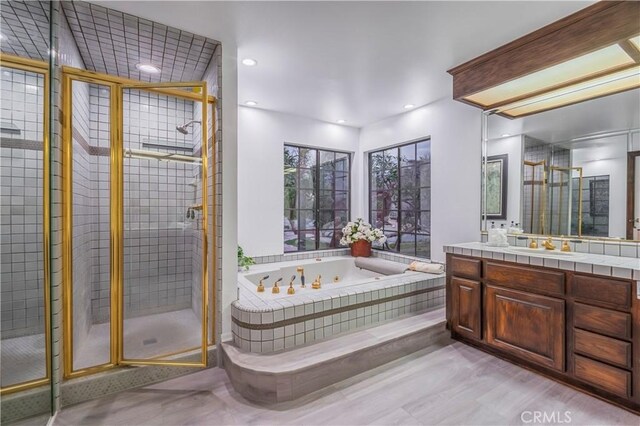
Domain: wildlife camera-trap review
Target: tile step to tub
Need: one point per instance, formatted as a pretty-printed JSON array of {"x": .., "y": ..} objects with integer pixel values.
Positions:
[{"x": 288, "y": 375}]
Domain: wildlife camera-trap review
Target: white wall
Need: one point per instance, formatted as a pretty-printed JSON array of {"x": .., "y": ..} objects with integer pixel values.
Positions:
[
  {"x": 454, "y": 129},
  {"x": 608, "y": 157},
  {"x": 512, "y": 146},
  {"x": 261, "y": 137}
]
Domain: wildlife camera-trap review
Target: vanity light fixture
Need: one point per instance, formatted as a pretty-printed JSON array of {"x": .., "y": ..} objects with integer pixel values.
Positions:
[
  {"x": 251, "y": 103},
  {"x": 341, "y": 121},
  {"x": 409, "y": 106},
  {"x": 148, "y": 68},
  {"x": 249, "y": 62},
  {"x": 593, "y": 53}
]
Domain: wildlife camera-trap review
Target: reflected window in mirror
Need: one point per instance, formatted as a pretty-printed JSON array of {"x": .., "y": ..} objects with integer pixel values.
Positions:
[{"x": 571, "y": 170}]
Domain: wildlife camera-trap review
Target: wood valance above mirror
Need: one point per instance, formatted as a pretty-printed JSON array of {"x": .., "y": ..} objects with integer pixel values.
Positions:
[{"x": 592, "y": 53}]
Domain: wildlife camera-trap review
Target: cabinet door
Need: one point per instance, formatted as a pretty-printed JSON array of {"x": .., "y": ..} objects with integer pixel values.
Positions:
[
  {"x": 467, "y": 300},
  {"x": 529, "y": 326}
]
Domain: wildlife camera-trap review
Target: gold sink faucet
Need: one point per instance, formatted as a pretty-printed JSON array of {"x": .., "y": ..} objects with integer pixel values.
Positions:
[
  {"x": 533, "y": 244},
  {"x": 548, "y": 244},
  {"x": 565, "y": 246}
]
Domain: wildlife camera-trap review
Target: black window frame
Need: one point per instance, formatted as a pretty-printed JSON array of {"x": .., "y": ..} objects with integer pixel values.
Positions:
[
  {"x": 415, "y": 212},
  {"x": 318, "y": 190}
]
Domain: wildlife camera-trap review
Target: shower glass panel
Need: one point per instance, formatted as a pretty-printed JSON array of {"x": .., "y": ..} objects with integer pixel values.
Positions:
[
  {"x": 559, "y": 188},
  {"x": 23, "y": 347},
  {"x": 534, "y": 190},
  {"x": 90, "y": 198},
  {"x": 163, "y": 226}
]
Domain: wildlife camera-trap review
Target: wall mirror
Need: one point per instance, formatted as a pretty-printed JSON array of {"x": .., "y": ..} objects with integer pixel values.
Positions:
[{"x": 571, "y": 171}]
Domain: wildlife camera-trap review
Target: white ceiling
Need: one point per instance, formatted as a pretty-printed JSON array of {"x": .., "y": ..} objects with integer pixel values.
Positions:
[{"x": 358, "y": 61}]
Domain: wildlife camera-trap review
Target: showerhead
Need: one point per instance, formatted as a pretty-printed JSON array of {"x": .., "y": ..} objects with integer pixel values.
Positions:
[{"x": 183, "y": 129}]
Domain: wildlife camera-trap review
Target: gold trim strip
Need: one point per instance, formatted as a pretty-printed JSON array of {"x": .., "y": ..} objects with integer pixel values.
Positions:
[
  {"x": 67, "y": 226},
  {"x": 214, "y": 212},
  {"x": 162, "y": 88},
  {"x": 18, "y": 387},
  {"x": 12, "y": 61},
  {"x": 205, "y": 223}
]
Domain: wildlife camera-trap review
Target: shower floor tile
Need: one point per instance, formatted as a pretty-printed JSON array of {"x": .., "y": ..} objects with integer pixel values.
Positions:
[
  {"x": 22, "y": 359},
  {"x": 144, "y": 337}
]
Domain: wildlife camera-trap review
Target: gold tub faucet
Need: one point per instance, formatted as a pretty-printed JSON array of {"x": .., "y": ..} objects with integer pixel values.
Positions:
[
  {"x": 533, "y": 244},
  {"x": 300, "y": 270},
  {"x": 565, "y": 246},
  {"x": 317, "y": 284},
  {"x": 261, "y": 285},
  {"x": 276, "y": 289},
  {"x": 548, "y": 244},
  {"x": 291, "y": 290}
]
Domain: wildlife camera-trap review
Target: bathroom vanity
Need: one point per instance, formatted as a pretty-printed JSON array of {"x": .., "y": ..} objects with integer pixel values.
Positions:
[{"x": 572, "y": 317}]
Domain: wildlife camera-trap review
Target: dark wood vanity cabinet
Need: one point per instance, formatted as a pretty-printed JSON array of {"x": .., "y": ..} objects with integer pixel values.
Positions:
[
  {"x": 467, "y": 307},
  {"x": 529, "y": 326},
  {"x": 577, "y": 328}
]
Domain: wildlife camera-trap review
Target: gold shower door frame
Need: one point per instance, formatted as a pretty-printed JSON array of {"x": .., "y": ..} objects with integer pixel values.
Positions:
[
  {"x": 579, "y": 170},
  {"x": 39, "y": 67},
  {"x": 543, "y": 196},
  {"x": 117, "y": 86}
]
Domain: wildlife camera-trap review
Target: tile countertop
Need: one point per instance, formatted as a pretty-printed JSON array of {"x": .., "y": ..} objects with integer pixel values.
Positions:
[{"x": 599, "y": 264}]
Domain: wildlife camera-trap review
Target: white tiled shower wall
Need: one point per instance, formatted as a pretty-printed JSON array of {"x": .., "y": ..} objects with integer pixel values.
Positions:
[
  {"x": 21, "y": 266},
  {"x": 158, "y": 236}
]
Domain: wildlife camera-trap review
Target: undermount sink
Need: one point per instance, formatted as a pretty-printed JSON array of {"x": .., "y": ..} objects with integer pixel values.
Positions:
[{"x": 542, "y": 251}]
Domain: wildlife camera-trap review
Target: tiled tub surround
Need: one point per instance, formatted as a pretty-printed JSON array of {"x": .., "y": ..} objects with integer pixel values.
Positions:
[
  {"x": 268, "y": 324},
  {"x": 599, "y": 264}
]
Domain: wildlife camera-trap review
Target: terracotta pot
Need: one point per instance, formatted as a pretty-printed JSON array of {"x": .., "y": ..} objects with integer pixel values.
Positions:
[{"x": 361, "y": 248}]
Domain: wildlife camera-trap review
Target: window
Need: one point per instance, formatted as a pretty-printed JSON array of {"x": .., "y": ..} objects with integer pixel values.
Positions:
[
  {"x": 316, "y": 197},
  {"x": 400, "y": 197}
]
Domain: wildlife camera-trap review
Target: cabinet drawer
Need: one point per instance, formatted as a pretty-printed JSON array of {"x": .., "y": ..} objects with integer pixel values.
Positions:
[
  {"x": 603, "y": 376},
  {"x": 602, "y": 291},
  {"x": 529, "y": 326},
  {"x": 603, "y": 321},
  {"x": 464, "y": 267},
  {"x": 602, "y": 348},
  {"x": 527, "y": 279}
]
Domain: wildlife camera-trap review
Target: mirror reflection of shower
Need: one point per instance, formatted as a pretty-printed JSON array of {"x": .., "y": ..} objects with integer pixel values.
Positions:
[{"x": 183, "y": 129}]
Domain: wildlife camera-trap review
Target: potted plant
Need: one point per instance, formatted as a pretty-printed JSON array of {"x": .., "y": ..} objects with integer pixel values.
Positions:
[
  {"x": 244, "y": 261},
  {"x": 359, "y": 235}
]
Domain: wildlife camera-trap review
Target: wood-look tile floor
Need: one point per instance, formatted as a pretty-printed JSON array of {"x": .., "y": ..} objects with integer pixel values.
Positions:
[{"x": 452, "y": 385}]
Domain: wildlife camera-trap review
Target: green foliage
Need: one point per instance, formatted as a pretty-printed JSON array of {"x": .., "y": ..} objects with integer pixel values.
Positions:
[{"x": 244, "y": 261}]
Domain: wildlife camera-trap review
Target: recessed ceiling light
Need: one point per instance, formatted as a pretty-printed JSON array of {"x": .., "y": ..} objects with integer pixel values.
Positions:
[
  {"x": 341, "y": 121},
  {"x": 505, "y": 135},
  {"x": 3, "y": 37},
  {"x": 409, "y": 106},
  {"x": 251, "y": 103},
  {"x": 148, "y": 68},
  {"x": 249, "y": 62}
]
